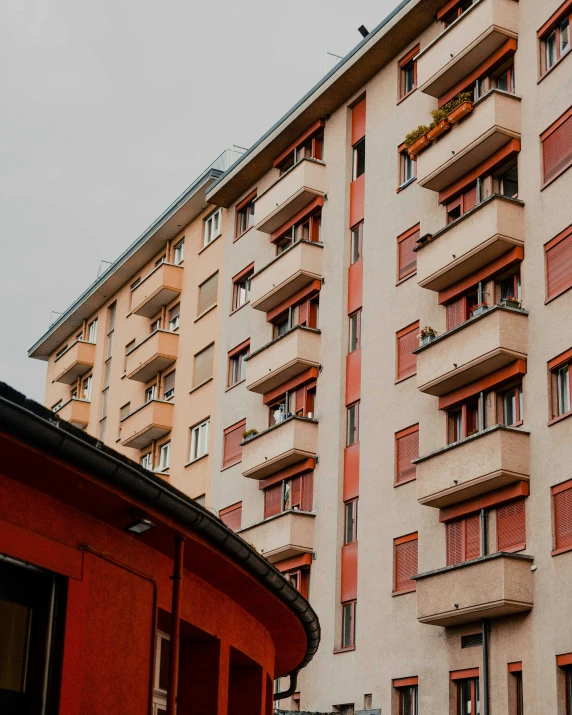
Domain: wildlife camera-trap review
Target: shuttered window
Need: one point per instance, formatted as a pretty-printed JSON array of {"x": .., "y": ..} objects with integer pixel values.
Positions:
[
  {"x": 557, "y": 147},
  {"x": 169, "y": 386},
  {"x": 463, "y": 539},
  {"x": 208, "y": 294},
  {"x": 273, "y": 500},
  {"x": 407, "y": 342},
  {"x": 232, "y": 516},
  {"x": 511, "y": 526},
  {"x": 232, "y": 452},
  {"x": 294, "y": 493},
  {"x": 406, "y": 449},
  {"x": 203, "y": 369},
  {"x": 455, "y": 313},
  {"x": 405, "y": 563},
  {"x": 562, "y": 506},
  {"x": 407, "y": 258},
  {"x": 559, "y": 264}
]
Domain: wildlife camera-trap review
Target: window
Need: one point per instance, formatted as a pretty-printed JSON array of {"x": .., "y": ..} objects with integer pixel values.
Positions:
[
  {"x": 147, "y": 461},
  {"x": 355, "y": 331},
  {"x": 407, "y": 689},
  {"x": 557, "y": 147},
  {"x": 169, "y": 386},
  {"x": 559, "y": 373},
  {"x": 199, "y": 440},
  {"x": 57, "y": 406},
  {"x": 86, "y": 389},
  {"x": 562, "y": 511},
  {"x": 237, "y": 363},
  {"x": 406, "y": 450},
  {"x": 447, "y": 15},
  {"x": 356, "y": 243},
  {"x": 554, "y": 38},
  {"x": 407, "y": 168},
  {"x": 516, "y": 670},
  {"x": 232, "y": 516},
  {"x": 104, "y": 401},
  {"x": 508, "y": 287},
  {"x": 307, "y": 228},
  {"x": 123, "y": 415},
  {"x": 358, "y": 166},
  {"x": 558, "y": 258},
  {"x": 404, "y": 563},
  {"x": 155, "y": 325},
  {"x": 349, "y": 624},
  {"x": 407, "y": 342},
  {"x": 179, "y": 252},
  {"x": 164, "y": 456},
  {"x": 461, "y": 309},
  {"x": 299, "y": 577},
  {"x": 464, "y": 420},
  {"x": 463, "y": 203},
  {"x": 463, "y": 539},
  {"x": 232, "y": 444},
  {"x": 353, "y": 424},
  {"x": 241, "y": 287},
  {"x": 92, "y": 331},
  {"x": 160, "y": 261},
  {"x": 565, "y": 662},
  {"x": 161, "y": 675},
  {"x": 351, "y": 521},
  {"x": 408, "y": 73},
  {"x": 308, "y": 146},
  {"x": 406, "y": 256},
  {"x": 174, "y": 317},
  {"x": 208, "y": 294},
  {"x": 295, "y": 493},
  {"x": 128, "y": 348},
  {"x": 512, "y": 406},
  {"x": 151, "y": 393},
  {"x": 508, "y": 183},
  {"x": 245, "y": 215},
  {"x": 203, "y": 367},
  {"x": 213, "y": 227},
  {"x": 61, "y": 351},
  {"x": 135, "y": 283},
  {"x": 511, "y": 526},
  {"x": 468, "y": 696}
]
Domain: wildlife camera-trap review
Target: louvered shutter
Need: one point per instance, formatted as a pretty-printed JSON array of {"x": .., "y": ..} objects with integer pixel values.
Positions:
[
  {"x": 406, "y": 360},
  {"x": 407, "y": 256},
  {"x": 559, "y": 267},
  {"x": 295, "y": 492},
  {"x": 208, "y": 294},
  {"x": 472, "y": 537},
  {"x": 407, "y": 450},
  {"x": 300, "y": 393},
  {"x": 454, "y": 542},
  {"x": 233, "y": 518},
  {"x": 563, "y": 518},
  {"x": 303, "y": 310},
  {"x": 405, "y": 565},
  {"x": 232, "y": 445},
  {"x": 307, "y": 491},
  {"x": 455, "y": 313},
  {"x": 203, "y": 369},
  {"x": 273, "y": 500},
  {"x": 470, "y": 199},
  {"x": 557, "y": 150},
  {"x": 511, "y": 526},
  {"x": 169, "y": 383}
]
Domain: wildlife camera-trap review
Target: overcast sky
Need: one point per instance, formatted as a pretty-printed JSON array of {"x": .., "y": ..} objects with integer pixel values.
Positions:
[{"x": 110, "y": 109}]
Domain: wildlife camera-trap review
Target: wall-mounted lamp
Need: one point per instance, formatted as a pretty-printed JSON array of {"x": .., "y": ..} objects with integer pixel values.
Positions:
[{"x": 140, "y": 526}]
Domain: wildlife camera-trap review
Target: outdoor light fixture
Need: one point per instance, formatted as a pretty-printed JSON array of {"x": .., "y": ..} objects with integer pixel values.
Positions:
[
  {"x": 363, "y": 31},
  {"x": 140, "y": 526}
]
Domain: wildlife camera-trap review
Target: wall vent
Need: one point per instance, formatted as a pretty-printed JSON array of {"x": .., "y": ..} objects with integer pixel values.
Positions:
[{"x": 472, "y": 640}]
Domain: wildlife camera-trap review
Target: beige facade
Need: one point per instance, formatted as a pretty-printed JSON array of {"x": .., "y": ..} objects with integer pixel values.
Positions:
[{"x": 462, "y": 537}]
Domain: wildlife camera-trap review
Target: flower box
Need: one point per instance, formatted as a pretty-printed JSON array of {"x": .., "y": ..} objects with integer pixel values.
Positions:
[
  {"x": 460, "y": 112},
  {"x": 439, "y": 129},
  {"x": 426, "y": 339},
  {"x": 418, "y": 146},
  {"x": 479, "y": 310},
  {"x": 510, "y": 303}
]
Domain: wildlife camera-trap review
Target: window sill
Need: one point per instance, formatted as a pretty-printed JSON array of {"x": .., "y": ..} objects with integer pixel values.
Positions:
[
  {"x": 557, "y": 176},
  {"x": 554, "y": 420},
  {"x": 198, "y": 387},
  {"x": 202, "y": 315},
  {"x": 232, "y": 312},
  {"x": 404, "y": 481},
  {"x": 240, "y": 235},
  {"x": 229, "y": 466},
  {"x": 554, "y": 66},
  {"x": 402, "y": 99},
  {"x": 347, "y": 649},
  {"x": 236, "y": 384},
  {"x": 194, "y": 461},
  {"x": 122, "y": 376},
  {"x": 562, "y": 550},
  {"x": 402, "y": 593},
  {"x": 407, "y": 377},
  {"x": 204, "y": 248},
  {"x": 405, "y": 185},
  {"x": 406, "y": 278}
]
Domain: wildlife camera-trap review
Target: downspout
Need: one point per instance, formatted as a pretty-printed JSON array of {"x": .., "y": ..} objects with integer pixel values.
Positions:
[
  {"x": 292, "y": 687},
  {"x": 175, "y": 626},
  {"x": 485, "y": 685}
]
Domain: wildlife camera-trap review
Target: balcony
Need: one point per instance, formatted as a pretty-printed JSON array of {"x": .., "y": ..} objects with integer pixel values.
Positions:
[
  {"x": 151, "y": 421},
  {"x": 472, "y": 350},
  {"x": 494, "y": 122},
  {"x": 159, "y": 288},
  {"x": 280, "y": 446},
  {"x": 490, "y": 587},
  {"x": 76, "y": 412},
  {"x": 75, "y": 362},
  {"x": 291, "y": 271},
  {"x": 282, "y": 359},
  {"x": 152, "y": 355},
  {"x": 282, "y": 536},
  {"x": 482, "y": 235},
  {"x": 494, "y": 458},
  {"x": 291, "y": 193},
  {"x": 465, "y": 44}
]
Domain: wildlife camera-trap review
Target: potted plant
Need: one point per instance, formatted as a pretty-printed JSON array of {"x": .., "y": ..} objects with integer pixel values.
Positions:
[
  {"x": 417, "y": 140},
  {"x": 459, "y": 107},
  {"x": 426, "y": 335},
  {"x": 479, "y": 309},
  {"x": 510, "y": 302},
  {"x": 439, "y": 125},
  {"x": 249, "y": 434}
]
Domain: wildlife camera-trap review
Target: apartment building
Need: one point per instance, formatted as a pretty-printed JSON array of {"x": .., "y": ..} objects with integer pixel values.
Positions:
[
  {"x": 132, "y": 361},
  {"x": 391, "y": 377}
]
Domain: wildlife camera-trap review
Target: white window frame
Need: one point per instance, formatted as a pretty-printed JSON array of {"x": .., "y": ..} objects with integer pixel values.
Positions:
[
  {"x": 150, "y": 393},
  {"x": 164, "y": 457},
  {"x": 86, "y": 391},
  {"x": 174, "y": 323},
  {"x": 147, "y": 461},
  {"x": 213, "y": 227},
  {"x": 159, "y": 695},
  {"x": 199, "y": 440},
  {"x": 179, "y": 252},
  {"x": 92, "y": 331}
]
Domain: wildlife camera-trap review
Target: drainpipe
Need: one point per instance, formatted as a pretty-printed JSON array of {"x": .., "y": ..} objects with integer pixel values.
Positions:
[
  {"x": 484, "y": 544},
  {"x": 48, "y": 647},
  {"x": 291, "y": 688},
  {"x": 485, "y": 684},
  {"x": 175, "y": 626}
]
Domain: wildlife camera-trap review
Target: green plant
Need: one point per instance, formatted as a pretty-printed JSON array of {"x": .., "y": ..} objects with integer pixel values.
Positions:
[
  {"x": 416, "y": 134},
  {"x": 456, "y": 102},
  {"x": 249, "y": 433},
  {"x": 438, "y": 116}
]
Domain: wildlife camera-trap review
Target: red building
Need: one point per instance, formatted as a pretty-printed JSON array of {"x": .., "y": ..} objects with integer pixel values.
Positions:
[{"x": 119, "y": 594}]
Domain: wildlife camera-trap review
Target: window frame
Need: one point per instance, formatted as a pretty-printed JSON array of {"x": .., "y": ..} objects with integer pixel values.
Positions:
[
  {"x": 240, "y": 352},
  {"x": 92, "y": 331},
  {"x": 175, "y": 321},
  {"x": 353, "y": 506},
  {"x": 179, "y": 248},
  {"x": 553, "y": 26},
  {"x": 405, "y": 160},
  {"x": 358, "y": 151},
  {"x": 555, "y": 369},
  {"x": 407, "y": 235},
  {"x": 404, "y": 64},
  {"x": 241, "y": 282},
  {"x": 354, "y": 317},
  {"x": 399, "y": 541},
  {"x": 168, "y": 394},
  {"x": 407, "y": 684},
  {"x": 144, "y": 457},
  {"x": 349, "y": 607},
  {"x": 210, "y": 224},
  {"x": 244, "y": 215},
  {"x": 356, "y": 239},
  {"x": 164, "y": 462},
  {"x": 197, "y": 429},
  {"x": 355, "y": 406},
  {"x": 402, "y": 434},
  {"x": 474, "y": 695}
]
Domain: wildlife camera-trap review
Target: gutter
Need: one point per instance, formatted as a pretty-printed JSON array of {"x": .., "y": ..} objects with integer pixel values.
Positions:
[{"x": 28, "y": 421}]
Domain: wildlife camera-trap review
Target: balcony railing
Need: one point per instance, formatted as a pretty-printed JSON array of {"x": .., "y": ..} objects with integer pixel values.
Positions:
[
  {"x": 76, "y": 412},
  {"x": 157, "y": 289},
  {"x": 151, "y": 421},
  {"x": 156, "y": 353},
  {"x": 493, "y": 123},
  {"x": 489, "y": 587},
  {"x": 472, "y": 350},
  {"x": 291, "y": 271},
  {"x": 282, "y": 359},
  {"x": 293, "y": 191},
  {"x": 488, "y": 460},
  {"x": 291, "y": 441},
  {"x": 465, "y": 44},
  {"x": 75, "y": 362},
  {"x": 282, "y": 536},
  {"x": 480, "y": 236}
]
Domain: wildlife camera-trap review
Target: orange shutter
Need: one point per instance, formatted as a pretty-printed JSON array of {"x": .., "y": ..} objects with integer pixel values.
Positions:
[
  {"x": 232, "y": 444},
  {"x": 511, "y": 526},
  {"x": 407, "y": 342},
  {"x": 472, "y": 537},
  {"x": 463, "y": 540},
  {"x": 563, "y": 518},
  {"x": 405, "y": 564},
  {"x": 295, "y": 492},
  {"x": 358, "y": 122},
  {"x": 407, "y": 256},
  {"x": 303, "y": 312},
  {"x": 557, "y": 148},
  {"x": 273, "y": 500},
  {"x": 307, "y": 501},
  {"x": 454, "y": 542},
  {"x": 232, "y": 516},
  {"x": 455, "y": 313},
  {"x": 407, "y": 449},
  {"x": 470, "y": 199},
  {"x": 558, "y": 265}
]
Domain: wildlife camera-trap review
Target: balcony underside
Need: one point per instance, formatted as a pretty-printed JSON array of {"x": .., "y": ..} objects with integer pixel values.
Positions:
[
  {"x": 145, "y": 436},
  {"x": 277, "y": 463},
  {"x": 147, "y": 371},
  {"x": 153, "y": 304}
]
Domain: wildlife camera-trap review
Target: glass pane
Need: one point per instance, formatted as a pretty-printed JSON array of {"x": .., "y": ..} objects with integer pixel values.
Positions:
[
  {"x": 563, "y": 390},
  {"x": 409, "y": 77},
  {"x": 350, "y": 522},
  {"x": 503, "y": 82},
  {"x": 564, "y": 36},
  {"x": 510, "y": 407},
  {"x": 551, "y": 49},
  {"x": 465, "y": 701},
  {"x": 407, "y": 698},
  {"x": 14, "y": 627},
  {"x": 347, "y": 625},
  {"x": 354, "y": 334},
  {"x": 352, "y": 424},
  {"x": 356, "y": 247},
  {"x": 359, "y": 159},
  {"x": 409, "y": 168}
]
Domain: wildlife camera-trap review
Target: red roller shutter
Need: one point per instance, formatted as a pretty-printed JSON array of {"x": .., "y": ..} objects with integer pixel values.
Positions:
[
  {"x": 407, "y": 258},
  {"x": 307, "y": 502},
  {"x": 407, "y": 449},
  {"x": 470, "y": 199},
  {"x": 454, "y": 542},
  {"x": 407, "y": 342},
  {"x": 455, "y": 313},
  {"x": 232, "y": 444},
  {"x": 232, "y": 516},
  {"x": 557, "y": 147},
  {"x": 563, "y": 518},
  {"x": 559, "y": 264},
  {"x": 511, "y": 526},
  {"x": 463, "y": 540},
  {"x": 473, "y": 537},
  {"x": 405, "y": 557},
  {"x": 273, "y": 500}
]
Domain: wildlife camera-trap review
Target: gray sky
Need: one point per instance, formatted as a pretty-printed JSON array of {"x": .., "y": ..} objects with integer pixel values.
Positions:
[{"x": 110, "y": 108}]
